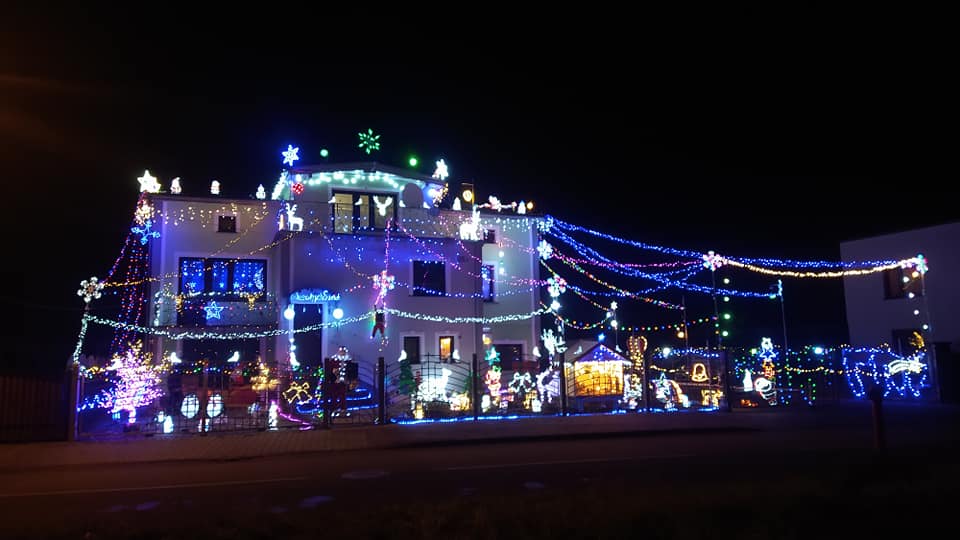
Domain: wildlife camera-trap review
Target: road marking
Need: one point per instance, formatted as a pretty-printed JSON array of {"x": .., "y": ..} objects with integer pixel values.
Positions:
[
  {"x": 149, "y": 488},
  {"x": 363, "y": 475},
  {"x": 566, "y": 462}
]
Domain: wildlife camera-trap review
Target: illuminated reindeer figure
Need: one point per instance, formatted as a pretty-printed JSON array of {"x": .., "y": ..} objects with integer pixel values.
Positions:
[
  {"x": 470, "y": 230},
  {"x": 292, "y": 220}
]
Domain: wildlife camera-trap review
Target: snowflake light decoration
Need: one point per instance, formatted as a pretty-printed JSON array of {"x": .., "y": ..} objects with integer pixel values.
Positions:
[
  {"x": 368, "y": 141},
  {"x": 545, "y": 249},
  {"x": 148, "y": 183},
  {"x": 290, "y": 155},
  {"x": 146, "y": 232},
  {"x": 383, "y": 282},
  {"x": 712, "y": 261},
  {"x": 90, "y": 289},
  {"x": 441, "y": 170},
  {"x": 919, "y": 263},
  {"x": 556, "y": 286}
]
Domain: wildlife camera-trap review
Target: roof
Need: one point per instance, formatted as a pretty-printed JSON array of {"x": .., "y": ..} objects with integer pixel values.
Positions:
[
  {"x": 370, "y": 167},
  {"x": 585, "y": 350}
]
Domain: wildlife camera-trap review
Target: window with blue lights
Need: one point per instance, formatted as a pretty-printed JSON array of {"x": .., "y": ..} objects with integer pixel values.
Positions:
[
  {"x": 355, "y": 212},
  {"x": 429, "y": 278},
  {"x": 223, "y": 276},
  {"x": 248, "y": 276},
  {"x": 487, "y": 276},
  {"x": 192, "y": 278}
]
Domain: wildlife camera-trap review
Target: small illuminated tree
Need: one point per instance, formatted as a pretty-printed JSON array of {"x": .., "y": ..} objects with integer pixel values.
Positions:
[{"x": 138, "y": 381}]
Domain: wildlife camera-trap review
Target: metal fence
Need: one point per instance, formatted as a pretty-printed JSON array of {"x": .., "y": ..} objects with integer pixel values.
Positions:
[
  {"x": 343, "y": 392},
  {"x": 33, "y": 408}
]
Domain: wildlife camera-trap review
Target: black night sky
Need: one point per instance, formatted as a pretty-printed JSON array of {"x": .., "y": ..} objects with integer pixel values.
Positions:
[{"x": 778, "y": 142}]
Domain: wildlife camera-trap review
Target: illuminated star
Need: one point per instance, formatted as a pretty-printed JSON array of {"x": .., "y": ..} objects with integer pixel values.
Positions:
[
  {"x": 148, "y": 182},
  {"x": 290, "y": 155},
  {"x": 213, "y": 310},
  {"x": 368, "y": 141},
  {"x": 441, "y": 171}
]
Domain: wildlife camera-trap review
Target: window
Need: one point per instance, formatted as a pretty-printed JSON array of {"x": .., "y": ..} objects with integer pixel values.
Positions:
[
  {"x": 900, "y": 282},
  {"x": 429, "y": 278},
  {"x": 446, "y": 348},
  {"x": 411, "y": 346},
  {"x": 511, "y": 355},
  {"x": 905, "y": 340},
  {"x": 198, "y": 275},
  {"x": 487, "y": 277},
  {"x": 227, "y": 224},
  {"x": 490, "y": 236},
  {"x": 362, "y": 211}
]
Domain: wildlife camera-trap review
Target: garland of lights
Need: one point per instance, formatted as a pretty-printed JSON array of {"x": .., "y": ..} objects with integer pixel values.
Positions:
[
  {"x": 784, "y": 263},
  {"x": 467, "y": 320}
]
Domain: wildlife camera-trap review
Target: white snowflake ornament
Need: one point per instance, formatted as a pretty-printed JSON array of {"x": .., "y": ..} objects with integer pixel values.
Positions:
[{"x": 90, "y": 289}]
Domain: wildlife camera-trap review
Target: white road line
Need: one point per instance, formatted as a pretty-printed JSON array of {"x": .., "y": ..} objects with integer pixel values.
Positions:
[
  {"x": 568, "y": 462},
  {"x": 149, "y": 488}
]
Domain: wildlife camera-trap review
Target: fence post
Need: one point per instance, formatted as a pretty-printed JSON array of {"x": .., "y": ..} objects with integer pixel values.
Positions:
[
  {"x": 646, "y": 383},
  {"x": 203, "y": 397},
  {"x": 563, "y": 386},
  {"x": 325, "y": 392},
  {"x": 73, "y": 395},
  {"x": 381, "y": 392},
  {"x": 727, "y": 388},
  {"x": 475, "y": 386}
]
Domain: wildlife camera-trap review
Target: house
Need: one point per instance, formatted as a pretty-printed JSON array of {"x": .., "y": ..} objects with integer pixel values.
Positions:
[
  {"x": 902, "y": 304},
  {"x": 350, "y": 262},
  {"x": 892, "y": 306}
]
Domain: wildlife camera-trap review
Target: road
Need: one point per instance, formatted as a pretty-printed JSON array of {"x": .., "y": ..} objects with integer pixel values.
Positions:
[{"x": 336, "y": 487}]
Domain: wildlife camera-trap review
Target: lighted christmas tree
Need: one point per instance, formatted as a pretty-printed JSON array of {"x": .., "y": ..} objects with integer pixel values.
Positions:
[{"x": 138, "y": 381}]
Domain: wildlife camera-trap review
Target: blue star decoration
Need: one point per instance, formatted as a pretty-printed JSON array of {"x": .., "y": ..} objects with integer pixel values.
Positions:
[
  {"x": 145, "y": 232},
  {"x": 213, "y": 310},
  {"x": 290, "y": 155}
]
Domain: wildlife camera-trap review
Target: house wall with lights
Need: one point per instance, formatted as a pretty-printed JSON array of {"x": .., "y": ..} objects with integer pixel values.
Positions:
[
  {"x": 307, "y": 257},
  {"x": 214, "y": 272},
  {"x": 885, "y": 308}
]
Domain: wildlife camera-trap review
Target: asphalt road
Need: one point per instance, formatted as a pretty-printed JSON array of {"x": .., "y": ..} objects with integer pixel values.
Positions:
[{"x": 127, "y": 499}]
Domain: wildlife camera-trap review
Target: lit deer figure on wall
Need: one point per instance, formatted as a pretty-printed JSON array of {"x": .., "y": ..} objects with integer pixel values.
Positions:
[
  {"x": 294, "y": 223},
  {"x": 470, "y": 230}
]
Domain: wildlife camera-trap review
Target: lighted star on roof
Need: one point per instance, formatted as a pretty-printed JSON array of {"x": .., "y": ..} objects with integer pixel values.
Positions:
[
  {"x": 148, "y": 183},
  {"x": 290, "y": 155}
]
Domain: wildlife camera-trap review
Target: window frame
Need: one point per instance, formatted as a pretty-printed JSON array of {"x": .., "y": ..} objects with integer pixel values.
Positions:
[
  {"x": 418, "y": 289},
  {"x": 371, "y": 210},
  {"x": 220, "y": 219},
  {"x": 208, "y": 265},
  {"x": 491, "y": 271}
]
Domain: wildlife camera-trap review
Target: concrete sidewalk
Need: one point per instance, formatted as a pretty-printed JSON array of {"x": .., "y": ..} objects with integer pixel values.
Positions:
[{"x": 229, "y": 446}]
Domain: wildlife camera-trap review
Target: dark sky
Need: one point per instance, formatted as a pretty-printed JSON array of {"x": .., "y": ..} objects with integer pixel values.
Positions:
[{"x": 753, "y": 134}]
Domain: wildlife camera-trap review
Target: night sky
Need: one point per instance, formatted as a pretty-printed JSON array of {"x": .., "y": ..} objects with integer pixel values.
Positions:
[{"x": 778, "y": 142}]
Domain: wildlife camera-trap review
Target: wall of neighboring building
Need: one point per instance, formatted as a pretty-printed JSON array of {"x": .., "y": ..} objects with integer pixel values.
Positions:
[{"x": 872, "y": 318}]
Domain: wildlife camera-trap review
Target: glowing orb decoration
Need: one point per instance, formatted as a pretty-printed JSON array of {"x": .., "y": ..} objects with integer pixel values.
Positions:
[
  {"x": 413, "y": 161},
  {"x": 297, "y": 188},
  {"x": 190, "y": 406},
  {"x": 338, "y": 313},
  {"x": 289, "y": 313},
  {"x": 324, "y": 153},
  {"x": 215, "y": 406}
]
